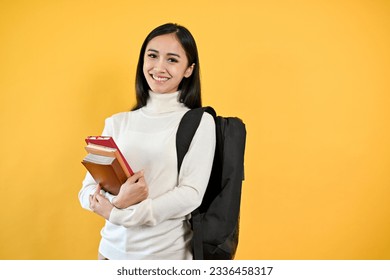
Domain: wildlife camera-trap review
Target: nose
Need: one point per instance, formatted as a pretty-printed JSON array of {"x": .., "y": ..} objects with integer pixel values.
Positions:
[{"x": 159, "y": 66}]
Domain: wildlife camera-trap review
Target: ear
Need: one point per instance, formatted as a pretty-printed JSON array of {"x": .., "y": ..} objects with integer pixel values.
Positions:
[{"x": 189, "y": 70}]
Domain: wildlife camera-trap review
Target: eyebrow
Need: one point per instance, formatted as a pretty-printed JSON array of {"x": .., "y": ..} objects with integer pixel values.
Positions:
[{"x": 156, "y": 51}]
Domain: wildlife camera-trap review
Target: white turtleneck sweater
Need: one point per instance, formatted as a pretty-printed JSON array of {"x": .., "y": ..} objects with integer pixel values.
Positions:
[{"x": 156, "y": 228}]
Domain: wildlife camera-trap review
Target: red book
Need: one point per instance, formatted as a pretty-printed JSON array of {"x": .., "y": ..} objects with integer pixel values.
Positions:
[{"x": 108, "y": 141}]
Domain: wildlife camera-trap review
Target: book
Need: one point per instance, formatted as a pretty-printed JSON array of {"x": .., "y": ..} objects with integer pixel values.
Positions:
[
  {"x": 109, "y": 152},
  {"x": 108, "y": 141},
  {"x": 106, "y": 163},
  {"x": 106, "y": 171}
]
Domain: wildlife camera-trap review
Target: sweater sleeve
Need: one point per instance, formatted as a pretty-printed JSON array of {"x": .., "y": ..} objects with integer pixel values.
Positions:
[
  {"x": 89, "y": 184},
  {"x": 187, "y": 195}
]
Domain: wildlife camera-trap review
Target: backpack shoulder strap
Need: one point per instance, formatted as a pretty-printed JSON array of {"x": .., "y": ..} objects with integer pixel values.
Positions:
[{"x": 186, "y": 131}]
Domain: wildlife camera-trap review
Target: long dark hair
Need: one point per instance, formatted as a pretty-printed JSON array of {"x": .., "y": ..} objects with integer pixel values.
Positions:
[{"x": 190, "y": 92}]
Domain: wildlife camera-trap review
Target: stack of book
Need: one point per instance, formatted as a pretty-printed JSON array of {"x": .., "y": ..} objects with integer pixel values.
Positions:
[{"x": 106, "y": 163}]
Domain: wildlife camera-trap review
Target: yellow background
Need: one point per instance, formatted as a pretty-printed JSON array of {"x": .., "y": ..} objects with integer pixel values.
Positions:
[{"x": 309, "y": 78}]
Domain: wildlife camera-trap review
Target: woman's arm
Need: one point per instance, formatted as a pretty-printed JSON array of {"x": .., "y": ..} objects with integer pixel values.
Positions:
[
  {"x": 88, "y": 188},
  {"x": 187, "y": 195},
  {"x": 133, "y": 191},
  {"x": 89, "y": 185}
]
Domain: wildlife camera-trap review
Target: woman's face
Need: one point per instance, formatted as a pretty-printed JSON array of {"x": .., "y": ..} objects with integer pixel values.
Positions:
[{"x": 165, "y": 64}]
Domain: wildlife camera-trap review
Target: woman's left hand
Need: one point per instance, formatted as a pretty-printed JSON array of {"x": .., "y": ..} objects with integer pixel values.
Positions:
[{"x": 99, "y": 204}]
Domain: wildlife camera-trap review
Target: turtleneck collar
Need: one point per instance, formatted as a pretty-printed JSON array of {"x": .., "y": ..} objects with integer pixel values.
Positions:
[{"x": 163, "y": 103}]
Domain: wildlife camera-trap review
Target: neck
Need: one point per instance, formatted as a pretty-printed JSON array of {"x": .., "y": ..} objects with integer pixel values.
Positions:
[{"x": 163, "y": 102}]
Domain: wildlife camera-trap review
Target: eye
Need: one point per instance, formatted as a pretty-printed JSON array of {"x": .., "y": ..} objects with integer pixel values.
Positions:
[
  {"x": 173, "y": 60},
  {"x": 151, "y": 55}
]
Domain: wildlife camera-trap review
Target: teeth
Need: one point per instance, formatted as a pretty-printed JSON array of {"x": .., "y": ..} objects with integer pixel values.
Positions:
[{"x": 160, "y": 79}]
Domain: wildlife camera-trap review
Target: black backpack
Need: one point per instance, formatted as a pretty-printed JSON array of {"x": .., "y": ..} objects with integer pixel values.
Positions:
[{"x": 215, "y": 222}]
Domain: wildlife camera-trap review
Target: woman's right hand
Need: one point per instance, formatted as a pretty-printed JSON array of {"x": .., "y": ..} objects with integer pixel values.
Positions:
[{"x": 133, "y": 191}]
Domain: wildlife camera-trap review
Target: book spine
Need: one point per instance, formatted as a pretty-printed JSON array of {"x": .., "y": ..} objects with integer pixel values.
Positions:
[
  {"x": 124, "y": 161},
  {"x": 125, "y": 166}
]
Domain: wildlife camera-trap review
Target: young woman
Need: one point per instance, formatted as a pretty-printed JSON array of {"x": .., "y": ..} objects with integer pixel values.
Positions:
[{"x": 148, "y": 219}]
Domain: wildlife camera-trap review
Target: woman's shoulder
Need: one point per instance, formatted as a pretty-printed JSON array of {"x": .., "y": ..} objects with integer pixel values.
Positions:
[
  {"x": 207, "y": 123},
  {"x": 120, "y": 117}
]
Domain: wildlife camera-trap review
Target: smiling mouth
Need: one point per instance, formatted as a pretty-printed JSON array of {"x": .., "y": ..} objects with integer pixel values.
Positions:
[{"x": 159, "y": 79}]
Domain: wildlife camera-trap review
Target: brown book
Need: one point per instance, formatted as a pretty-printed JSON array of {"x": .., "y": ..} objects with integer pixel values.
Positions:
[
  {"x": 107, "y": 171},
  {"x": 108, "y": 152}
]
